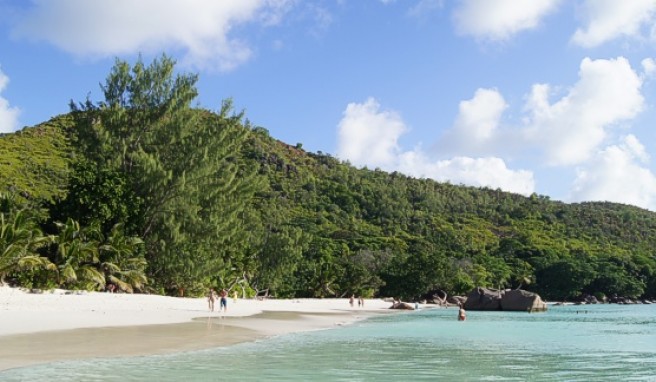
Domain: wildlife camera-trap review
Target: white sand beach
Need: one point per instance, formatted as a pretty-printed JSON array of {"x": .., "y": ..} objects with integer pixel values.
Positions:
[{"x": 59, "y": 325}]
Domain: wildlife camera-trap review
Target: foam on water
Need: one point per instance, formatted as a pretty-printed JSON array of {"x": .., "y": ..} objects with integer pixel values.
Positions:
[{"x": 572, "y": 343}]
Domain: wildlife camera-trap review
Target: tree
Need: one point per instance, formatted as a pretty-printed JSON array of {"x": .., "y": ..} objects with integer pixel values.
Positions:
[
  {"x": 77, "y": 256},
  {"x": 613, "y": 279},
  {"x": 565, "y": 278},
  {"x": 99, "y": 195},
  {"x": 362, "y": 271},
  {"x": 182, "y": 167},
  {"x": 20, "y": 237},
  {"x": 121, "y": 261}
]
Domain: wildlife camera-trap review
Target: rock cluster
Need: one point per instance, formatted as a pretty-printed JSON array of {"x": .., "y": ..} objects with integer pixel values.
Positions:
[{"x": 507, "y": 300}]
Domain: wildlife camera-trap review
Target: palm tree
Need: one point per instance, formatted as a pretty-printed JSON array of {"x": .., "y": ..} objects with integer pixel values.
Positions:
[
  {"x": 120, "y": 261},
  {"x": 523, "y": 273},
  {"x": 77, "y": 251},
  {"x": 20, "y": 237}
]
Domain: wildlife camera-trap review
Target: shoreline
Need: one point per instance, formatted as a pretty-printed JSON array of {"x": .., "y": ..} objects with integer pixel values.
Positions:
[{"x": 59, "y": 325}]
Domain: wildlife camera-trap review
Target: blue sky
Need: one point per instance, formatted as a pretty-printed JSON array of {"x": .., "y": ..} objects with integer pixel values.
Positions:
[{"x": 554, "y": 97}]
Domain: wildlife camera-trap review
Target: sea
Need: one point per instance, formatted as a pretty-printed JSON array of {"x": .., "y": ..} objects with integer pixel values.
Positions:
[{"x": 566, "y": 343}]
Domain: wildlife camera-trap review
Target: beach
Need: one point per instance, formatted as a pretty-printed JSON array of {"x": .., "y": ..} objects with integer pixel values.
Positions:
[{"x": 61, "y": 325}]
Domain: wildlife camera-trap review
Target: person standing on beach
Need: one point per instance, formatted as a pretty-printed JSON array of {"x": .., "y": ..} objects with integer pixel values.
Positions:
[
  {"x": 351, "y": 300},
  {"x": 223, "y": 303},
  {"x": 211, "y": 297}
]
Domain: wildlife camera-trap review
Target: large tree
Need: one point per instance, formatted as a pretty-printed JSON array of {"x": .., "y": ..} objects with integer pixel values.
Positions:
[{"x": 186, "y": 182}]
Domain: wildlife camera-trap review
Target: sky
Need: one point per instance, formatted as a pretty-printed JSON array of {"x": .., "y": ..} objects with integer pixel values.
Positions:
[{"x": 554, "y": 97}]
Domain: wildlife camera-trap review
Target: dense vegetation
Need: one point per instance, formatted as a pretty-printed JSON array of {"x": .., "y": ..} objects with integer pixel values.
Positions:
[{"x": 145, "y": 192}]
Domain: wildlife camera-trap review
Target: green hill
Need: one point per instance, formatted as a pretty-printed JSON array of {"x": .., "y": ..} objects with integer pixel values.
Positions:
[
  {"x": 219, "y": 202},
  {"x": 35, "y": 161}
]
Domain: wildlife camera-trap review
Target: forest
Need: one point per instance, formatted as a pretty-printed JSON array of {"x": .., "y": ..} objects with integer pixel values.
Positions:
[{"x": 148, "y": 193}]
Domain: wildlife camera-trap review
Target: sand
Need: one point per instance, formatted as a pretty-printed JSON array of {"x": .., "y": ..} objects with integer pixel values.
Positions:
[{"x": 62, "y": 325}]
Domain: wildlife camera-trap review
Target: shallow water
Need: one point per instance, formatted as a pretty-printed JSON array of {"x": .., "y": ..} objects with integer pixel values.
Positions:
[{"x": 571, "y": 343}]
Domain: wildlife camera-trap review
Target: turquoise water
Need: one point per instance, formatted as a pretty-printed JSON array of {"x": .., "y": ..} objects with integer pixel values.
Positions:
[{"x": 571, "y": 343}]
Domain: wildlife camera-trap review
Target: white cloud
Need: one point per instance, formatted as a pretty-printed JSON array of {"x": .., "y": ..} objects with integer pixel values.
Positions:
[
  {"x": 571, "y": 129},
  {"x": 321, "y": 18},
  {"x": 607, "y": 20},
  {"x": 567, "y": 131},
  {"x": 200, "y": 28},
  {"x": 489, "y": 172},
  {"x": 8, "y": 114},
  {"x": 424, "y": 7},
  {"x": 648, "y": 67},
  {"x": 369, "y": 137},
  {"x": 477, "y": 124},
  {"x": 618, "y": 174},
  {"x": 500, "y": 19}
]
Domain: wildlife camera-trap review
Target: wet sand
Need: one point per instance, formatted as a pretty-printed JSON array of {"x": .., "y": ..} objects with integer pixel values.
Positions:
[{"x": 21, "y": 350}]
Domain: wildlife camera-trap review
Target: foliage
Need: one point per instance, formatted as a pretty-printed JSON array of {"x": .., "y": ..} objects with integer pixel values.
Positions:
[
  {"x": 217, "y": 202},
  {"x": 20, "y": 239},
  {"x": 34, "y": 162},
  {"x": 178, "y": 181},
  {"x": 121, "y": 261},
  {"x": 77, "y": 256}
]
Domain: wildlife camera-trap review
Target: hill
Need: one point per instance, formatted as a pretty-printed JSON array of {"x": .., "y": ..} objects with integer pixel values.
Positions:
[
  {"x": 206, "y": 199},
  {"x": 35, "y": 160},
  {"x": 454, "y": 237},
  {"x": 332, "y": 229}
]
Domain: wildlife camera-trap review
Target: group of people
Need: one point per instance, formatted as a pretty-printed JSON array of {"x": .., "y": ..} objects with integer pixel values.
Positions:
[
  {"x": 360, "y": 301},
  {"x": 223, "y": 300}
]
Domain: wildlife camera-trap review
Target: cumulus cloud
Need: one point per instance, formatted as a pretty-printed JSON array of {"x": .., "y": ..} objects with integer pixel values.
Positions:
[
  {"x": 199, "y": 28},
  {"x": 368, "y": 136},
  {"x": 477, "y": 124},
  {"x": 573, "y": 127},
  {"x": 606, "y": 20},
  {"x": 568, "y": 131},
  {"x": 8, "y": 114},
  {"x": 479, "y": 172},
  {"x": 500, "y": 19},
  {"x": 618, "y": 174},
  {"x": 648, "y": 67}
]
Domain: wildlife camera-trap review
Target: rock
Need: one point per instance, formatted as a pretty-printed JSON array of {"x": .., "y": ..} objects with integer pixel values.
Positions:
[
  {"x": 590, "y": 300},
  {"x": 436, "y": 296},
  {"x": 521, "y": 300},
  {"x": 402, "y": 306},
  {"x": 456, "y": 300},
  {"x": 507, "y": 300},
  {"x": 483, "y": 299}
]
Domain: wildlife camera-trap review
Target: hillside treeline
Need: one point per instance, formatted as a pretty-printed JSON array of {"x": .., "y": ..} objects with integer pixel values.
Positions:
[{"x": 147, "y": 193}]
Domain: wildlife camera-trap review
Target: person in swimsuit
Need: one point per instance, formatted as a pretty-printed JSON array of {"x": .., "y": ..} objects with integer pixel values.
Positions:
[
  {"x": 224, "y": 301},
  {"x": 462, "y": 315},
  {"x": 211, "y": 297}
]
